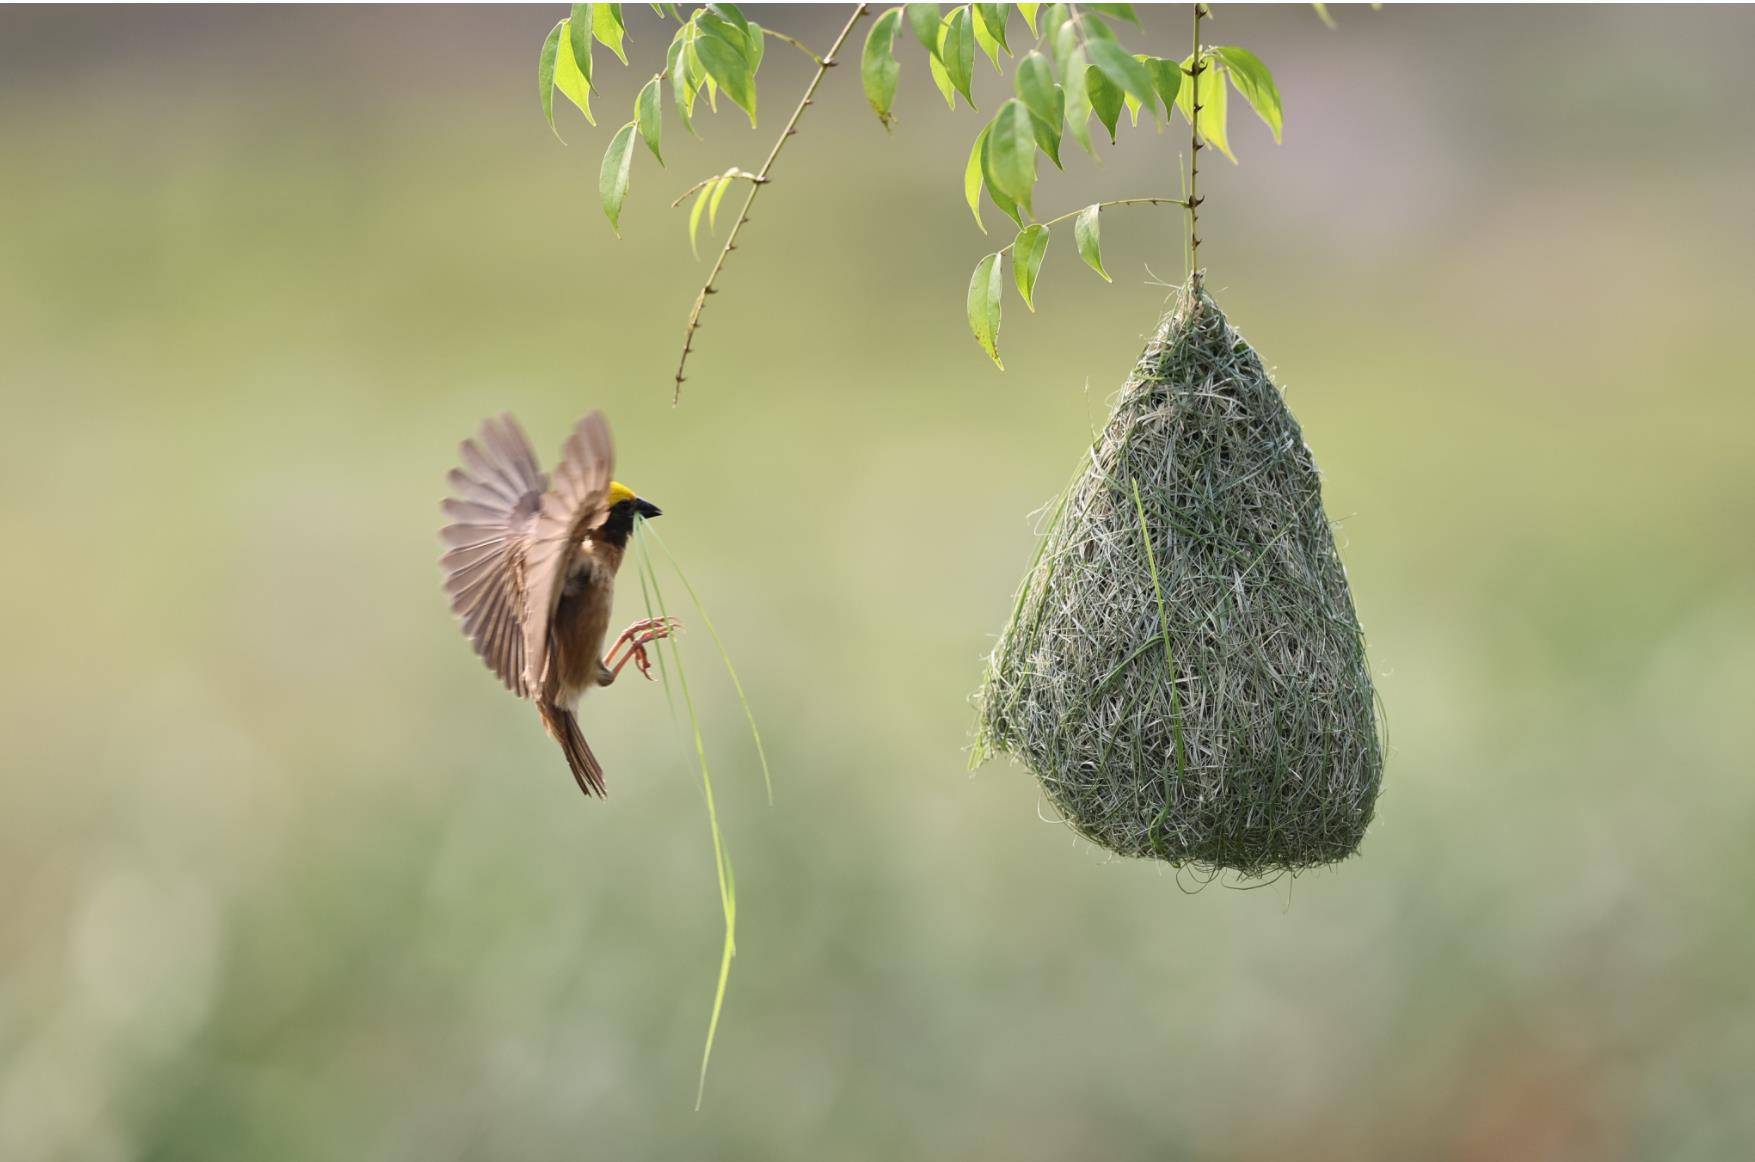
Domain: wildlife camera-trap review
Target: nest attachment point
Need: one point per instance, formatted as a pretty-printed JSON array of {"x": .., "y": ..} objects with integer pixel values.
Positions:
[{"x": 1183, "y": 670}]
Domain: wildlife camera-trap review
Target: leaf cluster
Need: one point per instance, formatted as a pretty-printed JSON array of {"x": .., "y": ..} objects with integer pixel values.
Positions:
[
  {"x": 714, "y": 50},
  {"x": 1073, "y": 68}
]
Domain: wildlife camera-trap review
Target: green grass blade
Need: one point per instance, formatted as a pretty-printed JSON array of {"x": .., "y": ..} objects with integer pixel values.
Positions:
[
  {"x": 644, "y": 568},
  {"x": 721, "y": 860},
  {"x": 748, "y": 714}
]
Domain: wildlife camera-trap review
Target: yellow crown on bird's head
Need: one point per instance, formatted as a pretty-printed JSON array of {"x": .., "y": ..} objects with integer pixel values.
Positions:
[{"x": 620, "y": 494}]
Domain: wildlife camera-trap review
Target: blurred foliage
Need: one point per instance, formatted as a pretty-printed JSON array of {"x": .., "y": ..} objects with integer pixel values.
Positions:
[{"x": 287, "y": 876}]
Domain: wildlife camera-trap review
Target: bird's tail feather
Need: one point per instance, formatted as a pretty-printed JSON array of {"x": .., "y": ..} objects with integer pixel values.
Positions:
[{"x": 564, "y": 727}]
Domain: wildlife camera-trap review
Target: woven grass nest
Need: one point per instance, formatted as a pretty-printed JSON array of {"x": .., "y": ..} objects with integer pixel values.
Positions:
[{"x": 1183, "y": 669}]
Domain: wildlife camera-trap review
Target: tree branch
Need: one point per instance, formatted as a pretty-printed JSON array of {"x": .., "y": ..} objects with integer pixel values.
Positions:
[
  {"x": 1194, "y": 148},
  {"x": 826, "y": 63}
]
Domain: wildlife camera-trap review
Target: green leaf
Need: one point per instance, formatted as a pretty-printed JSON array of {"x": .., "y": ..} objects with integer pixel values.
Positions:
[
  {"x": 570, "y": 80},
  {"x": 579, "y": 36},
  {"x": 1322, "y": 15},
  {"x": 985, "y": 42},
  {"x": 719, "y": 191},
  {"x": 1120, "y": 67},
  {"x": 1212, "y": 93},
  {"x": 607, "y": 27},
  {"x": 648, "y": 116},
  {"x": 697, "y": 210},
  {"x": 985, "y": 289},
  {"x": 1011, "y": 146},
  {"x": 682, "y": 93},
  {"x": 1028, "y": 12},
  {"x": 1166, "y": 79},
  {"x": 1095, "y": 29},
  {"x": 972, "y": 178},
  {"x": 1085, "y": 236},
  {"x": 1078, "y": 102},
  {"x": 943, "y": 80},
  {"x": 545, "y": 75},
  {"x": 1045, "y": 100},
  {"x": 1034, "y": 81},
  {"x": 731, "y": 14},
  {"x": 612, "y": 180},
  {"x": 923, "y": 21},
  {"x": 697, "y": 72},
  {"x": 1063, "y": 43},
  {"x": 1048, "y": 128},
  {"x": 1027, "y": 251},
  {"x": 878, "y": 68},
  {"x": 710, "y": 23},
  {"x": 1119, "y": 11},
  {"x": 756, "y": 45},
  {"x": 1051, "y": 21},
  {"x": 1106, "y": 98},
  {"x": 728, "y": 66},
  {"x": 1255, "y": 84},
  {"x": 994, "y": 17},
  {"x": 1006, "y": 205},
  {"x": 957, "y": 50}
]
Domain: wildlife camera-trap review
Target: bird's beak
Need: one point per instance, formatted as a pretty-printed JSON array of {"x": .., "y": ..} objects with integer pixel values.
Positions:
[{"x": 646, "y": 508}]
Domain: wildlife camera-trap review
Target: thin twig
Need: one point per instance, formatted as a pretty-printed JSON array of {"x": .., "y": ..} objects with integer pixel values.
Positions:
[
  {"x": 826, "y": 63},
  {"x": 1055, "y": 221}
]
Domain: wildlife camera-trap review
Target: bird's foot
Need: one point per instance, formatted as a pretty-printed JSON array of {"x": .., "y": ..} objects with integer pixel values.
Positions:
[{"x": 634, "y": 640}]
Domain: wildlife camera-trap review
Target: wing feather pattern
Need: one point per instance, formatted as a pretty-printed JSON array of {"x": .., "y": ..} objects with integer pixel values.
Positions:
[
  {"x": 495, "y": 503},
  {"x": 573, "y": 505}
]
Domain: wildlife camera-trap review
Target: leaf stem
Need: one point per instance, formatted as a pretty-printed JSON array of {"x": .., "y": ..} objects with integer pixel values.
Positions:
[
  {"x": 824, "y": 64},
  {"x": 1071, "y": 214},
  {"x": 794, "y": 42},
  {"x": 738, "y": 175}
]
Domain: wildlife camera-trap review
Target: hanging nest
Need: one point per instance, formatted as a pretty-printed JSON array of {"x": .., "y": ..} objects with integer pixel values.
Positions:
[{"x": 1183, "y": 669}]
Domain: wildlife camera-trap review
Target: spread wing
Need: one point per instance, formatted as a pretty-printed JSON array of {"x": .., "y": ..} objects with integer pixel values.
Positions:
[
  {"x": 572, "y": 506},
  {"x": 494, "y": 502}
]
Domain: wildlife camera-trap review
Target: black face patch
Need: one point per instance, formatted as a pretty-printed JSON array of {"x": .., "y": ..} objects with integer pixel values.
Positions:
[{"x": 619, "y": 525}]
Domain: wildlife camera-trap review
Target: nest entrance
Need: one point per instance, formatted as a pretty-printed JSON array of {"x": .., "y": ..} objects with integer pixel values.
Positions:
[{"x": 1183, "y": 670}]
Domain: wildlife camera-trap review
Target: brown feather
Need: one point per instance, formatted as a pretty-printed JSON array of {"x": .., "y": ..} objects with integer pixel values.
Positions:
[
  {"x": 493, "y": 509},
  {"x": 563, "y": 725}
]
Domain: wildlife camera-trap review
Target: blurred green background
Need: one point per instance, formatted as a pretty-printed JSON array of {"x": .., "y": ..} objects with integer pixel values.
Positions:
[{"x": 284, "y": 874}]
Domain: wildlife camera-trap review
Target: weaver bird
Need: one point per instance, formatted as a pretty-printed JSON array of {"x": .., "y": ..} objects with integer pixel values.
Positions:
[{"x": 530, "y": 567}]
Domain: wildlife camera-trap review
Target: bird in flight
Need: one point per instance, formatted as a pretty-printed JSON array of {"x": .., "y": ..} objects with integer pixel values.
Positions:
[{"x": 530, "y": 567}]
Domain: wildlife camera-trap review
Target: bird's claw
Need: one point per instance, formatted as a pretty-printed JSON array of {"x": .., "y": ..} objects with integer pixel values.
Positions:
[{"x": 635, "y": 638}]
